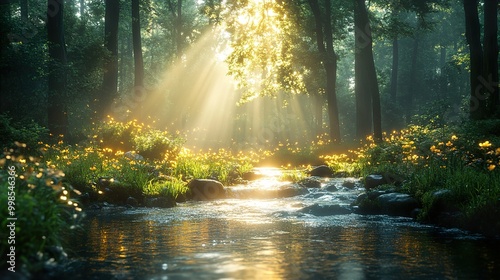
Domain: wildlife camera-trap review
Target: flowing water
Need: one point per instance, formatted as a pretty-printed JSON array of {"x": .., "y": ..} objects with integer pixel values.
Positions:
[{"x": 274, "y": 238}]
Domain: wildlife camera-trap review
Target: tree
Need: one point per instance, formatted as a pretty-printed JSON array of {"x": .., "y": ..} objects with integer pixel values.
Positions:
[
  {"x": 484, "y": 99},
  {"x": 57, "y": 79},
  {"x": 136, "y": 39},
  {"x": 368, "y": 110},
  {"x": 324, "y": 41},
  {"x": 473, "y": 35},
  {"x": 491, "y": 55},
  {"x": 109, "y": 89}
]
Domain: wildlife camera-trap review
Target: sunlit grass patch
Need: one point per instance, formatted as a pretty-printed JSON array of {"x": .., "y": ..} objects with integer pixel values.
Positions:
[
  {"x": 171, "y": 187},
  {"x": 294, "y": 174},
  {"x": 221, "y": 164}
]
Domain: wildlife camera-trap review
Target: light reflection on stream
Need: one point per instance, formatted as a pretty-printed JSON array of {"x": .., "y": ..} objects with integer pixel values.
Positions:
[{"x": 272, "y": 239}]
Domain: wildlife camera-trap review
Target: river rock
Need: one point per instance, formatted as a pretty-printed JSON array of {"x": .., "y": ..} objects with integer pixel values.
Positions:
[
  {"x": 132, "y": 201},
  {"x": 133, "y": 156},
  {"x": 397, "y": 204},
  {"x": 373, "y": 181},
  {"x": 160, "y": 202},
  {"x": 310, "y": 182},
  {"x": 326, "y": 210},
  {"x": 251, "y": 176},
  {"x": 321, "y": 171},
  {"x": 206, "y": 189},
  {"x": 291, "y": 190},
  {"x": 443, "y": 211},
  {"x": 330, "y": 186},
  {"x": 349, "y": 183}
]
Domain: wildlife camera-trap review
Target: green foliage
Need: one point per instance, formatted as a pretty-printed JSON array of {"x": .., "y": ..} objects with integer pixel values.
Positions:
[
  {"x": 43, "y": 208},
  {"x": 28, "y": 132},
  {"x": 133, "y": 136},
  {"x": 173, "y": 187},
  {"x": 293, "y": 175},
  {"x": 156, "y": 144},
  {"x": 222, "y": 165},
  {"x": 464, "y": 160}
]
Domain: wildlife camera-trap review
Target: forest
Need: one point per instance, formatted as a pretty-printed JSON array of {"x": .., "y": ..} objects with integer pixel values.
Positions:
[{"x": 140, "y": 103}]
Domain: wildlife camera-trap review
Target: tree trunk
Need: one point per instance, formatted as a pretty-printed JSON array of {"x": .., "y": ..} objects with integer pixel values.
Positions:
[
  {"x": 82, "y": 9},
  {"x": 442, "y": 81},
  {"x": 109, "y": 89},
  {"x": 413, "y": 79},
  {"x": 329, "y": 59},
  {"x": 5, "y": 29},
  {"x": 24, "y": 10},
  {"x": 136, "y": 41},
  {"x": 490, "y": 74},
  {"x": 330, "y": 64},
  {"x": 179, "y": 29},
  {"x": 318, "y": 102},
  {"x": 395, "y": 68},
  {"x": 477, "y": 105},
  {"x": 57, "y": 108},
  {"x": 368, "y": 110}
]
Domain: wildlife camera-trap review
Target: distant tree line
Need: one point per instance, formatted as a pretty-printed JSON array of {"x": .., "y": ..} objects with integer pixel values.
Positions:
[{"x": 366, "y": 66}]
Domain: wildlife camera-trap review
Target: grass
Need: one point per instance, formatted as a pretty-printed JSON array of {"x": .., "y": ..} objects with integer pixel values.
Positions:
[
  {"x": 44, "y": 208},
  {"x": 464, "y": 160}
]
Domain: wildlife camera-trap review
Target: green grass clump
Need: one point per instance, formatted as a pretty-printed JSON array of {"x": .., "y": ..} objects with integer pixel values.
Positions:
[
  {"x": 222, "y": 165},
  {"x": 463, "y": 159},
  {"x": 172, "y": 187},
  {"x": 44, "y": 209}
]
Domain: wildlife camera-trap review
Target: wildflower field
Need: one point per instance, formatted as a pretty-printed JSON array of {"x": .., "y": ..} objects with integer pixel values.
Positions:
[{"x": 53, "y": 178}]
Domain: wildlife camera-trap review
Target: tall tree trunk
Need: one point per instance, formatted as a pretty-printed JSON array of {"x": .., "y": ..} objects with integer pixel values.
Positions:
[
  {"x": 329, "y": 59},
  {"x": 368, "y": 110},
  {"x": 413, "y": 79},
  {"x": 318, "y": 102},
  {"x": 477, "y": 105},
  {"x": 82, "y": 9},
  {"x": 442, "y": 82},
  {"x": 24, "y": 10},
  {"x": 490, "y": 74},
  {"x": 331, "y": 75},
  {"x": 5, "y": 28},
  {"x": 57, "y": 108},
  {"x": 178, "y": 30},
  {"x": 136, "y": 41},
  {"x": 395, "y": 68},
  {"x": 109, "y": 89}
]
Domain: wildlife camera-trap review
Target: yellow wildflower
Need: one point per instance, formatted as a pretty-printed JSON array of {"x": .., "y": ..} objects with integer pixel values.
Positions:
[{"x": 485, "y": 144}]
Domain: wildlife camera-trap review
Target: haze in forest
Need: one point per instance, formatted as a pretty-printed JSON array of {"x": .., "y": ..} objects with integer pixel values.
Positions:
[{"x": 228, "y": 73}]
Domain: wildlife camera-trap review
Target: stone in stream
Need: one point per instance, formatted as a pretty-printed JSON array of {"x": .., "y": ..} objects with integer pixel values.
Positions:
[
  {"x": 398, "y": 204},
  {"x": 160, "y": 202},
  {"x": 321, "y": 171},
  {"x": 251, "y": 176},
  {"x": 310, "y": 182},
  {"x": 373, "y": 181},
  {"x": 326, "y": 210},
  {"x": 330, "y": 186},
  {"x": 206, "y": 189},
  {"x": 132, "y": 201}
]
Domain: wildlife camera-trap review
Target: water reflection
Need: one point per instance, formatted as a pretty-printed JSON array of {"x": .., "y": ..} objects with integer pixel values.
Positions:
[
  {"x": 141, "y": 245},
  {"x": 273, "y": 239}
]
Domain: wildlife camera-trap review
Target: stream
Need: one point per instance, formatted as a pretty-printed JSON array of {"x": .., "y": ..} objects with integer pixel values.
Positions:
[{"x": 273, "y": 238}]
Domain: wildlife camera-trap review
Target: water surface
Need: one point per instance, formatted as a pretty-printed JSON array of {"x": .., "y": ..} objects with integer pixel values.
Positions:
[{"x": 273, "y": 239}]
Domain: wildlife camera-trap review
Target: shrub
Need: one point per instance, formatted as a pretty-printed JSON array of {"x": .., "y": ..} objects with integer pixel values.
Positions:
[
  {"x": 133, "y": 136},
  {"x": 43, "y": 208},
  {"x": 173, "y": 187},
  {"x": 29, "y": 133}
]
